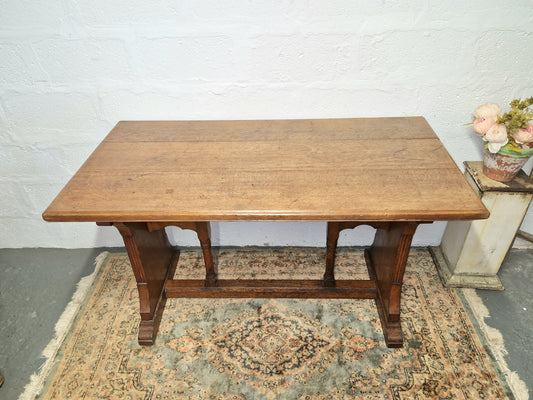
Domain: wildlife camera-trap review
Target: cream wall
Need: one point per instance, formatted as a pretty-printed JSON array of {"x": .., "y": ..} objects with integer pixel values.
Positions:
[{"x": 70, "y": 70}]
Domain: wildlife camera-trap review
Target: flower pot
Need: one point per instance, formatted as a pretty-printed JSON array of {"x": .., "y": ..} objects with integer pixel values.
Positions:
[{"x": 501, "y": 167}]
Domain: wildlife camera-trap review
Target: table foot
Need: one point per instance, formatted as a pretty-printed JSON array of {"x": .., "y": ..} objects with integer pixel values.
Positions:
[
  {"x": 393, "y": 334},
  {"x": 392, "y": 330},
  {"x": 147, "y": 333}
]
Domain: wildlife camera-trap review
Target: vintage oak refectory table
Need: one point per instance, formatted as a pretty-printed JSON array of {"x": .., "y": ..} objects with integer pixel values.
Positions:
[{"x": 389, "y": 173}]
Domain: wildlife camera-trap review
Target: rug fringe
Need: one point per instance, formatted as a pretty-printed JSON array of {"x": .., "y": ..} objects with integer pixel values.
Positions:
[
  {"x": 496, "y": 343},
  {"x": 62, "y": 327}
]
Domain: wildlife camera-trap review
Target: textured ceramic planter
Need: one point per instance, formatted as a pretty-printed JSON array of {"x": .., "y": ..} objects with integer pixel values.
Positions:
[{"x": 500, "y": 167}]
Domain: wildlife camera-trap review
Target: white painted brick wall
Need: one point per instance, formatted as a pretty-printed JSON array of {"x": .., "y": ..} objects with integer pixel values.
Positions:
[{"x": 70, "y": 69}]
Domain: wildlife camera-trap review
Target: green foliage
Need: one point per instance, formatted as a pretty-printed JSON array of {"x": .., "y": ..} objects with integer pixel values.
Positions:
[{"x": 519, "y": 115}]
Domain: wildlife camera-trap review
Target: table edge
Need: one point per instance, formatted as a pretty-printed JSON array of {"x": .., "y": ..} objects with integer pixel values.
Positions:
[{"x": 446, "y": 215}]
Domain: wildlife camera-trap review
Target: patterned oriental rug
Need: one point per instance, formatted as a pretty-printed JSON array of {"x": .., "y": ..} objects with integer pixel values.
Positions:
[{"x": 274, "y": 348}]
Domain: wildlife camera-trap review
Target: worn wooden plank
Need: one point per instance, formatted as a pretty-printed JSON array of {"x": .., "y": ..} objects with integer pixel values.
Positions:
[
  {"x": 254, "y": 130},
  {"x": 255, "y": 196},
  {"x": 304, "y": 156}
]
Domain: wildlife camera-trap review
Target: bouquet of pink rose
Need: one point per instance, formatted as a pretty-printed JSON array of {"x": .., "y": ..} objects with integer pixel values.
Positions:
[{"x": 510, "y": 134}]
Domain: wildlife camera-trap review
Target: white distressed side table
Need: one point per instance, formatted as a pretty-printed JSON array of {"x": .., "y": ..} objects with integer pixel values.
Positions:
[{"x": 471, "y": 252}]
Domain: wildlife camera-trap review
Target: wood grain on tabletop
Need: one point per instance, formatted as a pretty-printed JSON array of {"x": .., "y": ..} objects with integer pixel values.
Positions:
[{"x": 338, "y": 169}]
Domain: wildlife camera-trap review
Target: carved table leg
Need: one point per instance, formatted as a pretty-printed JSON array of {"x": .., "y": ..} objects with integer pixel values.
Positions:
[
  {"x": 331, "y": 249},
  {"x": 203, "y": 232},
  {"x": 334, "y": 229},
  {"x": 153, "y": 262},
  {"x": 386, "y": 260}
]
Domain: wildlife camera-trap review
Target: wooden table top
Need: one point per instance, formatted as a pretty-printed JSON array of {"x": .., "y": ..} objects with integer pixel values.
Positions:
[{"x": 370, "y": 169}]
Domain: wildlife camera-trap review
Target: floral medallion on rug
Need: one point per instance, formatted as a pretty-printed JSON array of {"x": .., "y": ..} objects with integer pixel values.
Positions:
[{"x": 275, "y": 348}]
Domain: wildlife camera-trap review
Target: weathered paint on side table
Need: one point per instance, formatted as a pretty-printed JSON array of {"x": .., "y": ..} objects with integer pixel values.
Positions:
[{"x": 471, "y": 252}]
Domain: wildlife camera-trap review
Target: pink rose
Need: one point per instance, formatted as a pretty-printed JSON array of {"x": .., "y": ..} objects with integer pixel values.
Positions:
[
  {"x": 485, "y": 118},
  {"x": 482, "y": 125},
  {"x": 497, "y": 137},
  {"x": 523, "y": 136}
]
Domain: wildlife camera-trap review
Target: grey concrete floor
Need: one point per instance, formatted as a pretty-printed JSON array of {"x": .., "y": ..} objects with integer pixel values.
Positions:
[
  {"x": 36, "y": 285},
  {"x": 511, "y": 312}
]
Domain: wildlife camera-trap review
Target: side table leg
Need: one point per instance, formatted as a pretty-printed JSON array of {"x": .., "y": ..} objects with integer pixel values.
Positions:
[
  {"x": 153, "y": 262},
  {"x": 386, "y": 260}
]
